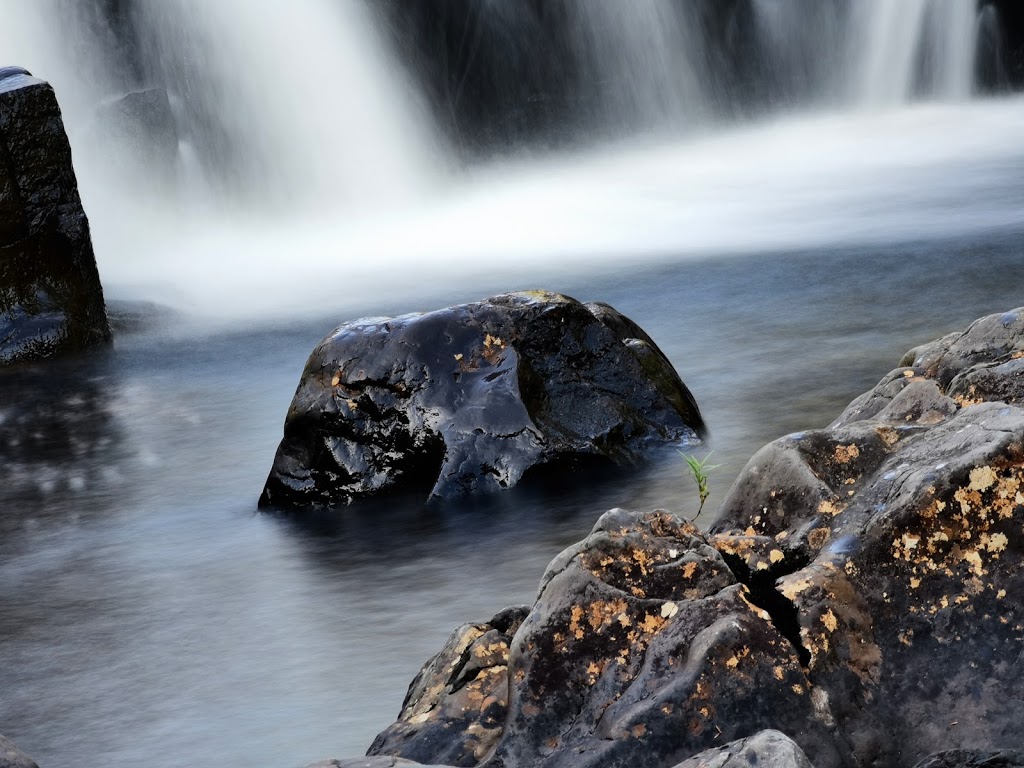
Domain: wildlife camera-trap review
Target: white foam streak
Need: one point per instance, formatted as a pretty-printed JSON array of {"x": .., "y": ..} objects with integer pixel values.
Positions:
[{"x": 931, "y": 171}]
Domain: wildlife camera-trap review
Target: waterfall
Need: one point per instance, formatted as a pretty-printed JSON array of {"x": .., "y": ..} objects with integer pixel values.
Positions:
[
  {"x": 288, "y": 106},
  {"x": 903, "y": 48},
  {"x": 641, "y": 59},
  {"x": 296, "y": 96}
]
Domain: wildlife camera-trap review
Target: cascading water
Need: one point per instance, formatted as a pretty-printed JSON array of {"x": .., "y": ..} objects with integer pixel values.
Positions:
[
  {"x": 299, "y": 111},
  {"x": 294, "y": 103},
  {"x": 642, "y": 60},
  {"x": 906, "y": 47},
  {"x": 290, "y": 107}
]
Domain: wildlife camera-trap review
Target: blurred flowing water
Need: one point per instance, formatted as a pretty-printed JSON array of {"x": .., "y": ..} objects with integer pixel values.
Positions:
[{"x": 784, "y": 264}]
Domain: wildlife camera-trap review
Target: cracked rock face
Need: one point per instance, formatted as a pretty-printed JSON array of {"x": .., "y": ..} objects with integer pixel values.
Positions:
[
  {"x": 895, "y": 535},
  {"x": 51, "y": 301},
  {"x": 642, "y": 649},
  {"x": 473, "y": 398}
]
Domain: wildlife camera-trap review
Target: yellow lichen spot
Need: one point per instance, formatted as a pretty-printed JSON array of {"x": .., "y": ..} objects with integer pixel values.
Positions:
[
  {"x": 889, "y": 436},
  {"x": 459, "y": 356},
  {"x": 915, "y": 583},
  {"x": 352, "y": 404},
  {"x": 762, "y": 566},
  {"x": 1000, "y": 594},
  {"x": 907, "y": 637},
  {"x": 847, "y": 453},
  {"x": 798, "y": 690},
  {"x": 750, "y": 531},
  {"x": 909, "y": 374},
  {"x": 336, "y": 380},
  {"x": 830, "y": 621},
  {"x": 668, "y": 610},
  {"x": 829, "y": 508},
  {"x": 997, "y": 542},
  {"x": 732, "y": 662},
  {"x": 982, "y": 478},
  {"x": 652, "y": 623},
  {"x": 819, "y": 537},
  {"x": 688, "y": 570},
  {"x": 972, "y": 558},
  {"x": 666, "y": 709},
  {"x": 624, "y": 620},
  {"x": 639, "y": 730},
  {"x": 780, "y": 673},
  {"x": 910, "y": 541},
  {"x": 776, "y": 556}
]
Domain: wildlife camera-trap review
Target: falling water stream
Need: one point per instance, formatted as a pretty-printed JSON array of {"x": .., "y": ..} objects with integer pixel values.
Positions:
[{"x": 783, "y": 254}]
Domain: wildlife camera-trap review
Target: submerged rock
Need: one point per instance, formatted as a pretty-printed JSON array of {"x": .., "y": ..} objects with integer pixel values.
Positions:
[
  {"x": 51, "y": 301},
  {"x": 10, "y": 755},
  {"x": 472, "y": 398},
  {"x": 862, "y": 593},
  {"x": 767, "y": 749}
]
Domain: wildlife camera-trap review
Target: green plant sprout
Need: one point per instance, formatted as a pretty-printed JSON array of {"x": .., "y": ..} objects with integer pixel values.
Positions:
[{"x": 700, "y": 470}]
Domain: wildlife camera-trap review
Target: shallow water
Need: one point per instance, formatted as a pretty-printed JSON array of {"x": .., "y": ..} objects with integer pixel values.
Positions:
[{"x": 149, "y": 615}]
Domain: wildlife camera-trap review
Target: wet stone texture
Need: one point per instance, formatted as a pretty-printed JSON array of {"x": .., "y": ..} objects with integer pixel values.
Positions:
[
  {"x": 51, "y": 301},
  {"x": 462, "y": 690},
  {"x": 12, "y": 757},
  {"x": 861, "y": 593},
  {"x": 767, "y": 749},
  {"x": 895, "y": 536},
  {"x": 642, "y": 649},
  {"x": 472, "y": 398}
]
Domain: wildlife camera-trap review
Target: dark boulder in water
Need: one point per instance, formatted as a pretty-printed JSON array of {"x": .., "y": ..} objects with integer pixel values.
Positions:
[
  {"x": 472, "y": 398},
  {"x": 51, "y": 301}
]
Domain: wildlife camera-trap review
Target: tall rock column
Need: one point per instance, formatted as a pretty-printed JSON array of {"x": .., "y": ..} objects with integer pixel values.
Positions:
[{"x": 51, "y": 301}]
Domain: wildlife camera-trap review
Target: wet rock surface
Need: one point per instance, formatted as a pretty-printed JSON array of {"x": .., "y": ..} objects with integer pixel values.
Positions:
[
  {"x": 10, "y": 755},
  {"x": 861, "y": 593},
  {"x": 472, "y": 398},
  {"x": 895, "y": 535},
  {"x": 972, "y": 758},
  {"x": 642, "y": 650},
  {"x": 51, "y": 301},
  {"x": 464, "y": 687},
  {"x": 767, "y": 749}
]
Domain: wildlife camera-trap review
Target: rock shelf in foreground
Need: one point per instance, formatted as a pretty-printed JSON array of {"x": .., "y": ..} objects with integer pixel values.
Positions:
[{"x": 862, "y": 592}]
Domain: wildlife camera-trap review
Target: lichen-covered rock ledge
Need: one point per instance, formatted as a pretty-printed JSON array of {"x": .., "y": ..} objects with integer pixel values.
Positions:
[
  {"x": 862, "y": 592},
  {"x": 472, "y": 398},
  {"x": 51, "y": 301}
]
